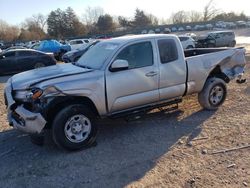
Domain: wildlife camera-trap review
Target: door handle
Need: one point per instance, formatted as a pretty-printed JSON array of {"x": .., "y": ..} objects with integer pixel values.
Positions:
[{"x": 151, "y": 74}]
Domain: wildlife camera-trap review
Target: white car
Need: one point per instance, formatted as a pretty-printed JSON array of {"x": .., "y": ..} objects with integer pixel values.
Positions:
[
  {"x": 173, "y": 29},
  {"x": 181, "y": 29},
  {"x": 167, "y": 30},
  {"x": 144, "y": 32},
  {"x": 187, "y": 42},
  {"x": 78, "y": 43},
  {"x": 188, "y": 28},
  {"x": 151, "y": 32}
]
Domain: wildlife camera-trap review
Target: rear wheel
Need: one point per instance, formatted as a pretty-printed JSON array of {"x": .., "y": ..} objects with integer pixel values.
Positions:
[
  {"x": 74, "y": 127},
  {"x": 232, "y": 44},
  {"x": 213, "y": 94}
]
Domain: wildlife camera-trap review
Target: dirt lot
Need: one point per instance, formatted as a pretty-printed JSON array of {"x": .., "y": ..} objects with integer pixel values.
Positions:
[{"x": 160, "y": 150}]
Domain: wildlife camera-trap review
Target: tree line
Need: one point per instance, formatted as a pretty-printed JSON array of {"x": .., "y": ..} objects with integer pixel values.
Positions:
[{"x": 61, "y": 24}]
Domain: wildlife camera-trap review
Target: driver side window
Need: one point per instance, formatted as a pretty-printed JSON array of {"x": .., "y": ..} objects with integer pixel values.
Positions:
[{"x": 138, "y": 55}]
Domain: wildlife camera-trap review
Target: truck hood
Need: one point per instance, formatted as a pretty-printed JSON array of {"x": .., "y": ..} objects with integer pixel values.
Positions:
[{"x": 26, "y": 79}]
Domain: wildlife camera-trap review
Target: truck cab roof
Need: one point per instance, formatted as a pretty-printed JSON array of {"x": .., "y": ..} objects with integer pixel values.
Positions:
[{"x": 129, "y": 38}]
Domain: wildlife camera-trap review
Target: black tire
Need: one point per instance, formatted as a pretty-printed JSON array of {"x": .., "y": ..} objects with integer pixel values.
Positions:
[
  {"x": 190, "y": 47},
  {"x": 211, "y": 45},
  {"x": 61, "y": 125},
  {"x": 60, "y": 55},
  {"x": 213, "y": 94},
  {"x": 232, "y": 44},
  {"x": 37, "y": 139}
]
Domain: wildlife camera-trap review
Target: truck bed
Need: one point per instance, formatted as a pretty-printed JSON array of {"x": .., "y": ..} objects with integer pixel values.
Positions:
[
  {"x": 202, "y": 51},
  {"x": 201, "y": 62}
]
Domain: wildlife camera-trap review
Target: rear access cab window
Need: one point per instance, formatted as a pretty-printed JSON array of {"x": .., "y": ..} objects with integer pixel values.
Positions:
[{"x": 168, "y": 50}]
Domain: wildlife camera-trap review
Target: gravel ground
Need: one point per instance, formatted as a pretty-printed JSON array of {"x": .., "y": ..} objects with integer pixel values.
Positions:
[{"x": 160, "y": 150}]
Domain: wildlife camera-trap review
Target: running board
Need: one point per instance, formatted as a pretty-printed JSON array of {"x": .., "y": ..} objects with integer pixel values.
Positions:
[{"x": 134, "y": 112}]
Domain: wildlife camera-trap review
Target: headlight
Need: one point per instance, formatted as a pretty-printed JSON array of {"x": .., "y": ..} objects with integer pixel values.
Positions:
[
  {"x": 27, "y": 96},
  {"x": 36, "y": 93}
]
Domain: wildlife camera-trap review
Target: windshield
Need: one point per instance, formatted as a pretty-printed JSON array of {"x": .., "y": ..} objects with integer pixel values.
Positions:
[{"x": 95, "y": 57}]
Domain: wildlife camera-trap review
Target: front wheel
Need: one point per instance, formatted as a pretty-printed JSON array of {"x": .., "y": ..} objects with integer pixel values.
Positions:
[
  {"x": 213, "y": 94},
  {"x": 74, "y": 127}
]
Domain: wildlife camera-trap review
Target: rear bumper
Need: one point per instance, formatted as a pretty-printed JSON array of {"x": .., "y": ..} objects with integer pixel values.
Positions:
[{"x": 21, "y": 118}]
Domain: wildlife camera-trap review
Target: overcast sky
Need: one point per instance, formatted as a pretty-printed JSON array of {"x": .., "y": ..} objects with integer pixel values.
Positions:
[{"x": 15, "y": 11}]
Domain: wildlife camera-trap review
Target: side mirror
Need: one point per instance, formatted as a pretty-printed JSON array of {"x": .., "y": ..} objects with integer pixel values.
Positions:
[{"x": 119, "y": 65}]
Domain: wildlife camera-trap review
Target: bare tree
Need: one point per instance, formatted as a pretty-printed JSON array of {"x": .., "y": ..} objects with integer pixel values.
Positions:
[
  {"x": 92, "y": 14},
  {"x": 40, "y": 20},
  {"x": 195, "y": 16},
  {"x": 179, "y": 17},
  {"x": 209, "y": 11},
  {"x": 7, "y": 32},
  {"x": 154, "y": 19}
]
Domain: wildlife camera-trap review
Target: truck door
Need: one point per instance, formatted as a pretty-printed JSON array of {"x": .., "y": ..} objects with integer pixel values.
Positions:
[
  {"x": 138, "y": 85},
  {"x": 172, "y": 69}
]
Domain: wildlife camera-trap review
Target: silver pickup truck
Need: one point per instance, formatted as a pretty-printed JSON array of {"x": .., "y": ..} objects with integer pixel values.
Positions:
[{"x": 118, "y": 77}]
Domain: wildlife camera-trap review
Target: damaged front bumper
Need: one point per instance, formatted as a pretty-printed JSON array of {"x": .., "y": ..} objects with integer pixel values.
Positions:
[{"x": 21, "y": 118}]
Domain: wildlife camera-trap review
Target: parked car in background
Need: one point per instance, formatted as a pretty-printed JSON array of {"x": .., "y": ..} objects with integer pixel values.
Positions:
[
  {"x": 1, "y": 45},
  {"x": 144, "y": 31},
  {"x": 151, "y": 32},
  {"x": 74, "y": 55},
  {"x": 199, "y": 27},
  {"x": 248, "y": 24},
  {"x": 19, "y": 60},
  {"x": 241, "y": 24},
  {"x": 119, "y": 77},
  {"x": 31, "y": 43},
  {"x": 15, "y": 47},
  {"x": 187, "y": 42},
  {"x": 173, "y": 29},
  {"x": 231, "y": 25},
  {"x": 209, "y": 26},
  {"x": 188, "y": 28},
  {"x": 181, "y": 29},
  {"x": 157, "y": 30},
  {"x": 167, "y": 30},
  {"x": 78, "y": 43},
  {"x": 54, "y": 47},
  {"x": 193, "y": 35},
  {"x": 220, "y": 24},
  {"x": 217, "y": 39}
]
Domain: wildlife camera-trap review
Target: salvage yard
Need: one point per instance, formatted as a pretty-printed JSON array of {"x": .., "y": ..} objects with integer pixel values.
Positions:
[{"x": 171, "y": 149}]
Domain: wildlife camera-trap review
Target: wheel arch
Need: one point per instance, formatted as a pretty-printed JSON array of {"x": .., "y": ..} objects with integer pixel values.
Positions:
[
  {"x": 58, "y": 103},
  {"x": 216, "y": 72}
]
